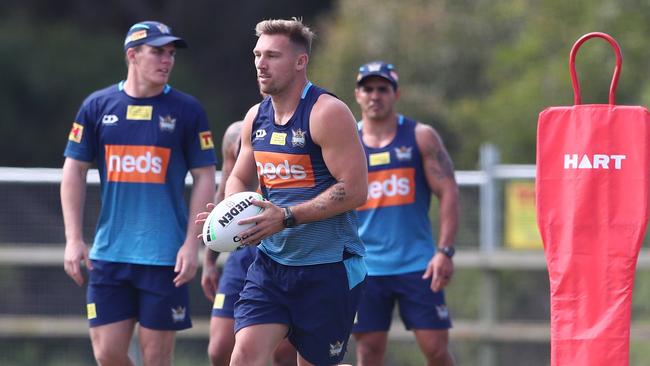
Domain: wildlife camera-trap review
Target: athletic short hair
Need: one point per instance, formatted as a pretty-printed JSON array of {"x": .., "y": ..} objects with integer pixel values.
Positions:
[{"x": 298, "y": 33}]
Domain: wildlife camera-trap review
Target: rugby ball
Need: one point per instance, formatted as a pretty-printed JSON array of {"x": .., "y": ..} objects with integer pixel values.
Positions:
[{"x": 221, "y": 228}]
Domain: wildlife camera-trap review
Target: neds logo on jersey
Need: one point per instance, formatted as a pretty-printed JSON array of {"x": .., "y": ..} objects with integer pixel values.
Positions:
[
  {"x": 136, "y": 163},
  {"x": 390, "y": 187},
  {"x": 279, "y": 170}
]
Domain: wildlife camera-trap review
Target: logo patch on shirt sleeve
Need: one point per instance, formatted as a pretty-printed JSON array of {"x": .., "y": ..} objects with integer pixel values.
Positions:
[
  {"x": 76, "y": 132},
  {"x": 206, "y": 140},
  {"x": 139, "y": 112},
  {"x": 278, "y": 138},
  {"x": 381, "y": 158}
]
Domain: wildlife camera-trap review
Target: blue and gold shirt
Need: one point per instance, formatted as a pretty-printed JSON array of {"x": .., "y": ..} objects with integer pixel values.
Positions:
[
  {"x": 394, "y": 223},
  {"x": 144, "y": 148},
  {"x": 291, "y": 170}
]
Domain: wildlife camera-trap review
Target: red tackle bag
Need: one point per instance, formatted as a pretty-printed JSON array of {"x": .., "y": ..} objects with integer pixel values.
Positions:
[{"x": 592, "y": 211}]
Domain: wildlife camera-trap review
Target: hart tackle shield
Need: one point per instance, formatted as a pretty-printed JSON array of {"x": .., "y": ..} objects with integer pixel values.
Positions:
[{"x": 592, "y": 212}]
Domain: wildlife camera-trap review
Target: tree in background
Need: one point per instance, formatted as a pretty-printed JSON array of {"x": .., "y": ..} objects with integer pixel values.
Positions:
[
  {"x": 481, "y": 71},
  {"x": 52, "y": 53}
]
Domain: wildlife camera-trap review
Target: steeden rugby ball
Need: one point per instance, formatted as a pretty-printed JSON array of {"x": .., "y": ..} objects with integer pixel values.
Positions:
[{"x": 221, "y": 229}]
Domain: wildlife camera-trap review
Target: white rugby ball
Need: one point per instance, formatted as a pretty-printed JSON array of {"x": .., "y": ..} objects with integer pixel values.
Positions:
[{"x": 221, "y": 228}]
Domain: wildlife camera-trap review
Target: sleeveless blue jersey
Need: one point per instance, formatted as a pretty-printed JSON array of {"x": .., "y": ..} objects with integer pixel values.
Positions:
[
  {"x": 394, "y": 223},
  {"x": 291, "y": 170},
  {"x": 144, "y": 148}
]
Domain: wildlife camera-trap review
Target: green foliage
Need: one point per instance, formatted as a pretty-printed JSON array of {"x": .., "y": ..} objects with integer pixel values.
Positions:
[
  {"x": 439, "y": 49},
  {"x": 40, "y": 75},
  {"x": 54, "y": 54},
  {"x": 46, "y": 352},
  {"x": 461, "y": 295},
  {"x": 482, "y": 70},
  {"x": 47, "y": 78}
]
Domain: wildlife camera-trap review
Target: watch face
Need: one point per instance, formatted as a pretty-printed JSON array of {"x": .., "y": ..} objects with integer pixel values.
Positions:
[{"x": 448, "y": 251}]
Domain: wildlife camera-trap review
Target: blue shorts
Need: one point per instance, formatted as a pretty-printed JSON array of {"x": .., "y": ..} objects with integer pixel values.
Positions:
[
  {"x": 232, "y": 281},
  {"x": 419, "y": 307},
  {"x": 316, "y": 302},
  {"x": 120, "y": 291}
]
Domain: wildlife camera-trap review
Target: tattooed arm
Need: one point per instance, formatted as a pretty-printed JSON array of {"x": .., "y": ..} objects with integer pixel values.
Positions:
[
  {"x": 439, "y": 173},
  {"x": 333, "y": 128},
  {"x": 229, "y": 150}
]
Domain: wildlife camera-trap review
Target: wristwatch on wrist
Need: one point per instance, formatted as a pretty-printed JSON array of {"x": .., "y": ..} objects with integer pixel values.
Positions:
[
  {"x": 449, "y": 251},
  {"x": 289, "y": 219}
]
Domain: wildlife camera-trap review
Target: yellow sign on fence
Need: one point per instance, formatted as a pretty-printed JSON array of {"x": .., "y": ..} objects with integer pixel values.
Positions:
[{"x": 520, "y": 221}]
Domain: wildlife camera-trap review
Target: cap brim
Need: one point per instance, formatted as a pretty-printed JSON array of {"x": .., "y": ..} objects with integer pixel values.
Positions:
[
  {"x": 377, "y": 74},
  {"x": 161, "y": 41}
]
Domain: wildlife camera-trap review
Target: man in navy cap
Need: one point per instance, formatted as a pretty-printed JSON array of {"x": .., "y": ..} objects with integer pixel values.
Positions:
[
  {"x": 144, "y": 137},
  {"x": 407, "y": 163}
]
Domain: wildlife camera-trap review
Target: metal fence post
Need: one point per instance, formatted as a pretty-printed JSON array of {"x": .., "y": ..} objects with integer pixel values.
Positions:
[
  {"x": 489, "y": 158},
  {"x": 134, "y": 348}
]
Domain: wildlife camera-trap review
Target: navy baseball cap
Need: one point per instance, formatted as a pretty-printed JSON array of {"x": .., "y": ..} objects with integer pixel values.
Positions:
[
  {"x": 152, "y": 33},
  {"x": 378, "y": 68}
]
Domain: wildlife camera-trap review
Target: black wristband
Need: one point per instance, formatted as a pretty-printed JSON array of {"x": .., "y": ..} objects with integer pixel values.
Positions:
[
  {"x": 448, "y": 251},
  {"x": 289, "y": 219}
]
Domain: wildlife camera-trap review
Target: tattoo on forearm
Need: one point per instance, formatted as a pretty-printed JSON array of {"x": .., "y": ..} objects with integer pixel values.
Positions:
[
  {"x": 337, "y": 192},
  {"x": 320, "y": 203}
]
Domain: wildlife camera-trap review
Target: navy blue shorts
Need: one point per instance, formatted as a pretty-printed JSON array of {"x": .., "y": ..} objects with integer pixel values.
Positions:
[
  {"x": 120, "y": 291},
  {"x": 419, "y": 307},
  {"x": 232, "y": 280},
  {"x": 316, "y": 302}
]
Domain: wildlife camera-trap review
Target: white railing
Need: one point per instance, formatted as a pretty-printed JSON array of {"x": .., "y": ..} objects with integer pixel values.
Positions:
[{"x": 489, "y": 258}]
